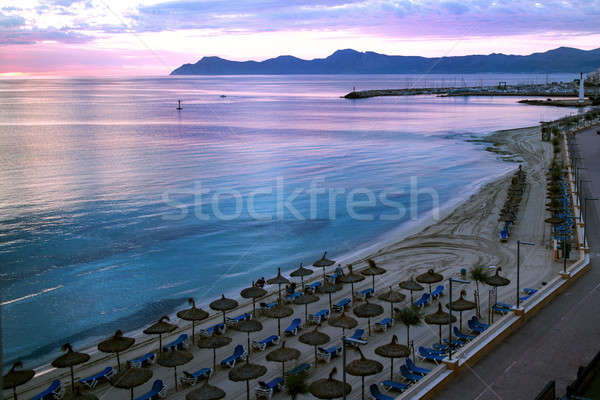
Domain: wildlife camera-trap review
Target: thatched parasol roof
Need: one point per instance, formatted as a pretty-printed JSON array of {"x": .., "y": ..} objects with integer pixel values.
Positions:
[
  {"x": 368, "y": 310},
  {"x": 305, "y": 299},
  {"x": 116, "y": 343},
  {"x": 363, "y": 366},
  {"x": 429, "y": 277},
  {"x": 212, "y": 342},
  {"x": 391, "y": 296},
  {"x": 392, "y": 349},
  {"x": 372, "y": 269},
  {"x": 314, "y": 338},
  {"x": 329, "y": 288},
  {"x": 279, "y": 311},
  {"x": 246, "y": 371},
  {"x": 253, "y": 292},
  {"x": 554, "y": 220},
  {"x": 192, "y": 313},
  {"x": 70, "y": 358},
  {"x": 329, "y": 388},
  {"x": 16, "y": 377},
  {"x": 278, "y": 279},
  {"x": 249, "y": 325},
  {"x": 175, "y": 358},
  {"x": 283, "y": 354},
  {"x": 323, "y": 262},
  {"x": 223, "y": 304},
  {"x": 205, "y": 392},
  {"x": 410, "y": 285},
  {"x": 131, "y": 377},
  {"x": 301, "y": 271},
  {"x": 461, "y": 304},
  {"x": 440, "y": 317},
  {"x": 343, "y": 321},
  {"x": 351, "y": 277},
  {"x": 497, "y": 280},
  {"x": 160, "y": 327}
]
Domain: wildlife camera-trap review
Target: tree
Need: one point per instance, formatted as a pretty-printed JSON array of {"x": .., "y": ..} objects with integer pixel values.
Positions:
[
  {"x": 478, "y": 274},
  {"x": 296, "y": 384},
  {"x": 409, "y": 316}
]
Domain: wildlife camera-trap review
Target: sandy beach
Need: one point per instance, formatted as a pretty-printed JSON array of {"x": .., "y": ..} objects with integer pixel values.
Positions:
[{"x": 467, "y": 236}]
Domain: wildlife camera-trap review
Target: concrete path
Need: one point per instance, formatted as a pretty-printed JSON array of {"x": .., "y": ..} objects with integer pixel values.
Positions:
[{"x": 561, "y": 337}]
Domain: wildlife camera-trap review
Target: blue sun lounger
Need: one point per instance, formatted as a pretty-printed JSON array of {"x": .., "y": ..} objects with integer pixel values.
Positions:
[
  {"x": 430, "y": 354},
  {"x": 359, "y": 334},
  {"x": 54, "y": 391},
  {"x": 437, "y": 292},
  {"x": 377, "y": 395},
  {"x": 195, "y": 377},
  {"x": 233, "y": 321},
  {"x": 219, "y": 329},
  {"x": 92, "y": 381},
  {"x": 267, "y": 389},
  {"x": 318, "y": 317},
  {"x": 423, "y": 301},
  {"x": 290, "y": 297},
  {"x": 341, "y": 305},
  {"x": 384, "y": 324},
  {"x": 463, "y": 336},
  {"x": 414, "y": 369},
  {"x": 365, "y": 293},
  {"x": 315, "y": 285},
  {"x": 239, "y": 353},
  {"x": 158, "y": 389},
  {"x": 292, "y": 330},
  {"x": 328, "y": 353},
  {"x": 477, "y": 326},
  {"x": 503, "y": 235},
  {"x": 262, "y": 344},
  {"x": 180, "y": 343},
  {"x": 144, "y": 360},
  {"x": 393, "y": 385},
  {"x": 406, "y": 374},
  {"x": 299, "y": 369}
]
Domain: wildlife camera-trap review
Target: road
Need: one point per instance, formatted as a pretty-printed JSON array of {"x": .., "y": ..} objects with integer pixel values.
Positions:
[{"x": 562, "y": 336}]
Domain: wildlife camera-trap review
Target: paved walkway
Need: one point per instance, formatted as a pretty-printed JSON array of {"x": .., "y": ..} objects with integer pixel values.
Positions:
[{"x": 561, "y": 337}]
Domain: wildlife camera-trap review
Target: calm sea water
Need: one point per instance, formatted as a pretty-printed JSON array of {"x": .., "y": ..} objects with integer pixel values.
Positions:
[{"x": 115, "y": 207}]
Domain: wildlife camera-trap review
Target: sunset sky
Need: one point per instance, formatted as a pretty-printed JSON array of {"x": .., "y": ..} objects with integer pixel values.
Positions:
[{"x": 133, "y": 37}]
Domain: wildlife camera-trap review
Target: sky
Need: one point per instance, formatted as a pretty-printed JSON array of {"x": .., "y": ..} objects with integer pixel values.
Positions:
[{"x": 153, "y": 37}]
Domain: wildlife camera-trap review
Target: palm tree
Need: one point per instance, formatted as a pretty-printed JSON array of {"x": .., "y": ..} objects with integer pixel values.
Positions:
[
  {"x": 479, "y": 274},
  {"x": 409, "y": 316},
  {"x": 296, "y": 384}
]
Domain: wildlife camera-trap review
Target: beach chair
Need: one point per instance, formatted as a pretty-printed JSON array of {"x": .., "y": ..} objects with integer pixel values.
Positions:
[
  {"x": 359, "y": 334},
  {"x": 267, "y": 389},
  {"x": 437, "y": 292},
  {"x": 146, "y": 359},
  {"x": 290, "y": 297},
  {"x": 341, "y": 305},
  {"x": 364, "y": 294},
  {"x": 159, "y": 389},
  {"x": 262, "y": 344},
  {"x": 92, "y": 381},
  {"x": 54, "y": 391},
  {"x": 180, "y": 343},
  {"x": 233, "y": 321},
  {"x": 218, "y": 329},
  {"x": 406, "y": 374},
  {"x": 265, "y": 306},
  {"x": 328, "y": 353},
  {"x": 315, "y": 285},
  {"x": 429, "y": 354},
  {"x": 454, "y": 344},
  {"x": 423, "y": 301},
  {"x": 463, "y": 336},
  {"x": 377, "y": 395},
  {"x": 393, "y": 385},
  {"x": 414, "y": 369},
  {"x": 292, "y": 330},
  {"x": 503, "y": 235},
  {"x": 195, "y": 377},
  {"x": 500, "y": 310},
  {"x": 384, "y": 324},
  {"x": 305, "y": 367},
  {"x": 529, "y": 291},
  {"x": 239, "y": 354},
  {"x": 318, "y": 317}
]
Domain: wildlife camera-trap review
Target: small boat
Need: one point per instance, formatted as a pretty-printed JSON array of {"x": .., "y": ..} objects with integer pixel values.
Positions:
[
  {"x": 223, "y": 96},
  {"x": 179, "y": 105}
]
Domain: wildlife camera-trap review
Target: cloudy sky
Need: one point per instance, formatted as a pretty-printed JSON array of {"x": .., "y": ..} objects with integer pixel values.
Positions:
[{"x": 132, "y": 37}]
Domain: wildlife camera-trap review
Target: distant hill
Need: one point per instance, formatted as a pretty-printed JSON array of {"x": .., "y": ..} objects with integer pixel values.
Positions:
[{"x": 562, "y": 59}]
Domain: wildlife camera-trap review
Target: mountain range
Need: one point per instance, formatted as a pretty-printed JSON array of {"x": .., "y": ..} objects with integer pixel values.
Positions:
[{"x": 562, "y": 59}]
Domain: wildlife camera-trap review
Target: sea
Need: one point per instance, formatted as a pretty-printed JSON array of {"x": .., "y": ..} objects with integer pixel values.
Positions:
[{"x": 116, "y": 207}]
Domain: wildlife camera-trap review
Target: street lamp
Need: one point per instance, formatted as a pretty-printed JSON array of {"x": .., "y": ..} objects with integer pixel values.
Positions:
[
  {"x": 519, "y": 243},
  {"x": 577, "y": 177},
  {"x": 450, "y": 311},
  {"x": 580, "y": 194},
  {"x": 585, "y": 228},
  {"x": 344, "y": 341}
]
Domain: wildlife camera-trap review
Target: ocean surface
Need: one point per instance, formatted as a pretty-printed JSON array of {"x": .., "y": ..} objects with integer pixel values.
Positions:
[{"x": 115, "y": 207}]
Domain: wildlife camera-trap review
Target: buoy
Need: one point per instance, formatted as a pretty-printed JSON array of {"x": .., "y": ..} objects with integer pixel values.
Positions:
[{"x": 179, "y": 105}]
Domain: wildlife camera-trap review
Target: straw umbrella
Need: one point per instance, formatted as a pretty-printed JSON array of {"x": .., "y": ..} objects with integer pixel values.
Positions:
[
  {"x": 301, "y": 272},
  {"x": 440, "y": 318},
  {"x": 343, "y": 321},
  {"x": 283, "y": 355},
  {"x": 351, "y": 278},
  {"x": 279, "y": 311},
  {"x": 253, "y": 292},
  {"x": 306, "y": 299},
  {"x": 314, "y": 338},
  {"x": 174, "y": 359},
  {"x": 116, "y": 344},
  {"x": 329, "y": 388},
  {"x": 324, "y": 262},
  {"x": 411, "y": 286},
  {"x": 159, "y": 328},
  {"x": 363, "y": 367},
  {"x": 223, "y": 304},
  {"x": 391, "y": 297},
  {"x": 429, "y": 277},
  {"x": 461, "y": 304},
  {"x": 554, "y": 220},
  {"x": 192, "y": 314},
  {"x": 278, "y": 280},
  {"x": 213, "y": 342},
  {"x": 77, "y": 395},
  {"x": 392, "y": 350},
  {"x": 248, "y": 326},
  {"x": 329, "y": 288},
  {"x": 130, "y": 378},
  {"x": 16, "y": 378},
  {"x": 247, "y": 372},
  {"x": 372, "y": 270},
  {"x": 206, "y": 392},
  {"x": 69, "y": 360},
  {"x": 496, "y": 281},
  {"x": 368, "y": 310}
]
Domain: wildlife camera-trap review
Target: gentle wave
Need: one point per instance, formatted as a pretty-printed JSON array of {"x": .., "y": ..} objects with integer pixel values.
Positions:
[{"x": 30, "y": 295}]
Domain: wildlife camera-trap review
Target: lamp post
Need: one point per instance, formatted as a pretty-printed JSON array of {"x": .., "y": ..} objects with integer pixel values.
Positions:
[
  {"x": 580, "y": 195},
  {"x": 344, "y": 341},
  {"x": 585, "y": 219},
  {"x": 577, "y": 177},
  {"x": 519, "y": 243},
  {"x": 450, "y": 280}
]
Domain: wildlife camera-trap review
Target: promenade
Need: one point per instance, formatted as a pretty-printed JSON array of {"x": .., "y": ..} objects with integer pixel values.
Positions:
[{"x": 562, "y": 336}]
